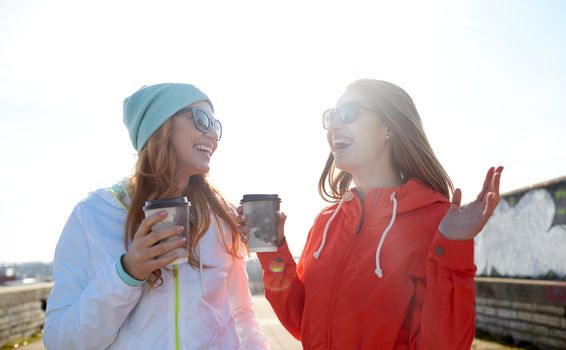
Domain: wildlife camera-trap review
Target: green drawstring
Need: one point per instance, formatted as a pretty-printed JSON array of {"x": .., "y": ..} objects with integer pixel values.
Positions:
[{"x": 176, "y": 278}]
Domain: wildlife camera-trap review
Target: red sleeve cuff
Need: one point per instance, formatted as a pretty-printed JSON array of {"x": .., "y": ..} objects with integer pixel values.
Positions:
[
  {"x": 452, "y": 254},
  {"x": 273, "y": 261}
]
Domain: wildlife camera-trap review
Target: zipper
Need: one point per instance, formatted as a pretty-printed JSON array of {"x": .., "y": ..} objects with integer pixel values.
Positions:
[
  {"x": 333, "y": 295},
  {"x": 361, "y": 222},
  {"x": 338, "y": 277},
  {"x": 176, "y": 279},
  {"x": 362, "y": 210}
]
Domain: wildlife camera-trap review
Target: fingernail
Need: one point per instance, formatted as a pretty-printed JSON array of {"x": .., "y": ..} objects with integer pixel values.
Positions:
[
  {"x": 163, "y": 213},
  {"x": 180, "y": 229}
]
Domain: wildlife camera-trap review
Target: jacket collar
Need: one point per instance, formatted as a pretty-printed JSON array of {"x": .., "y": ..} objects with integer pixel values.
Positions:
[{"x": 411, "y": 195}]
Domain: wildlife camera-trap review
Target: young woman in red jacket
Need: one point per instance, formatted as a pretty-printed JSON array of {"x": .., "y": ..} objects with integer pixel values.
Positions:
[{"x": 390, "y": 264}]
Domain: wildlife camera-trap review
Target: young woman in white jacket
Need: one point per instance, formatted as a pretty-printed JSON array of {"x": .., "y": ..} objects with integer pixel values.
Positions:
[{"x": 116, "y": 286}]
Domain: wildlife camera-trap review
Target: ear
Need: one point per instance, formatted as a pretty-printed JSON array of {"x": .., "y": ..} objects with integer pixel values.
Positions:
[{"x": 387, "y": 135}]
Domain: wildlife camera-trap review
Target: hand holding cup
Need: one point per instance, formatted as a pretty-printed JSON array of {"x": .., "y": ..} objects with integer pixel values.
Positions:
[
  {"x": 261, "y": 224},
  {"x": 149, "y": 252}
]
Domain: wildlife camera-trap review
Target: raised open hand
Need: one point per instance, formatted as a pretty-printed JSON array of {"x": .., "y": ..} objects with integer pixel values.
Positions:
[{"x": 466, "y": 222}]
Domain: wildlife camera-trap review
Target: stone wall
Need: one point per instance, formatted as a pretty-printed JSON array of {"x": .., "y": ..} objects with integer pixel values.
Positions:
[
  {"x": 522, "y": 311},
  {"x": 22, "y": 311}
]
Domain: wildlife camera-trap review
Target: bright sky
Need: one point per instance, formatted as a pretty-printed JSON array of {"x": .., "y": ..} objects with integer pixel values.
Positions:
[{"x": 488, "y": 79}]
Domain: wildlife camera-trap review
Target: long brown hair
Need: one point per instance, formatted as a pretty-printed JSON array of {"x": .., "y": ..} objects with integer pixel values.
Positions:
[
  {"x": 156, "y": 176},
  {"x": 411, "y": 152}
]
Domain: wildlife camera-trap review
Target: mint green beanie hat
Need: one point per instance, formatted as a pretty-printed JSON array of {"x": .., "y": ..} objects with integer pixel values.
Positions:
[{"x": 151, "y": 106}]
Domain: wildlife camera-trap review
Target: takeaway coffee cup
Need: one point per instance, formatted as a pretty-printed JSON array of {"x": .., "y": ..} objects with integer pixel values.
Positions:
[
  {"x": 262, "y": 212},
  {"x": 178, "y": 210}
]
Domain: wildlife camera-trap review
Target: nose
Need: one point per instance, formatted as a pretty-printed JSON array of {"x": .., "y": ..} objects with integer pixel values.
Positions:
[
  {"x": 213, "y": 134},
  {"x": 215, "y": 130},
  {"x": 332, "y": 129}
]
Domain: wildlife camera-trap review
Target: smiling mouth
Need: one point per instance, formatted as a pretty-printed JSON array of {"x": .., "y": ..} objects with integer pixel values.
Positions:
[
  {"x": 341, "y": 143},
  {"x": 204, "y": 148}
]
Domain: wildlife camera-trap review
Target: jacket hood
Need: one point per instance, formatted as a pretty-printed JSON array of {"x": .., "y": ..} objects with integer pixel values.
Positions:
[
  {"x": 117, "y": 195},
  {"x": 411, "y": 196}
]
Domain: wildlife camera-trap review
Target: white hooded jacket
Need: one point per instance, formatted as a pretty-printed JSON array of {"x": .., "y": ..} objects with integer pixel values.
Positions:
[{"x": 90, "y": 307}]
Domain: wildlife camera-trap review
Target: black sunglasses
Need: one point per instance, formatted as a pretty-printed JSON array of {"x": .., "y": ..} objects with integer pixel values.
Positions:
[
  {"x": 203, "y": 122},
  {"x": 346, "y": 114}
]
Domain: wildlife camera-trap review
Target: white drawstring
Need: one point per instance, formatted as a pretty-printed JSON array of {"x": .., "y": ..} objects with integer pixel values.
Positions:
[
  {"x": 346, "y": 197},
  {"x": 378, "y": 270},
  {"x": 200, "y": 269}
]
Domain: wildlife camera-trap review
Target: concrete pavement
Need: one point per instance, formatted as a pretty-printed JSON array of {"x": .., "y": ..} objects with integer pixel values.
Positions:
[{"x": 280, "y": 339}]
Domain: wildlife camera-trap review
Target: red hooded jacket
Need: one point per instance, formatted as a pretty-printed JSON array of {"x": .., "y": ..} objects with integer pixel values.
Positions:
[{"x": 377, "y": 276}]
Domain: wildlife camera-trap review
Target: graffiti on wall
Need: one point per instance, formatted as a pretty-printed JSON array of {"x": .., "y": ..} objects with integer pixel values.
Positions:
[{"x": 526, "y": 236}]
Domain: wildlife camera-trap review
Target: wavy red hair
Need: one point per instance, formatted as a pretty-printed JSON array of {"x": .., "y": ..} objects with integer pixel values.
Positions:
[{"x": 156, "y": 176}]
